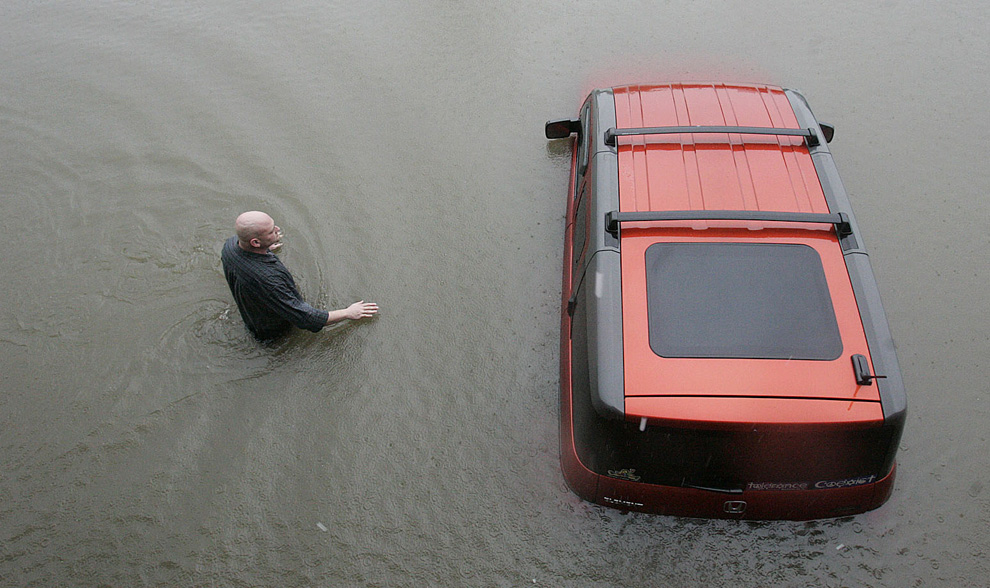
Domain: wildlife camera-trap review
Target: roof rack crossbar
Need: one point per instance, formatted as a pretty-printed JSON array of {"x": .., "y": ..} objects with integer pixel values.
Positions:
[
  {"x": 840, "y": 219},
  {"x": 809, "y": 134}
]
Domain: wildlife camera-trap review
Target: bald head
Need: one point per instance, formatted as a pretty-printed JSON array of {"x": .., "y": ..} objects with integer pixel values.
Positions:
[
  {"x": 256, "y": 231},
  {"x": 252, "y": 224}
]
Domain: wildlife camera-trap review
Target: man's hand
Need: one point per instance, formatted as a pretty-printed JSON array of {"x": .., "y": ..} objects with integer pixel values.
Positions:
[
  {"x": 278, "y": 243},
  {"x": 358, "y": 310},
  {"x": 361, "y": 309}
]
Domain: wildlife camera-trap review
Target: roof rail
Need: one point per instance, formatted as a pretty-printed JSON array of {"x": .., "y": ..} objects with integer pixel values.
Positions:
[
  {"x": 840, "y": 219},
  {"x": 809, "y": 134}
]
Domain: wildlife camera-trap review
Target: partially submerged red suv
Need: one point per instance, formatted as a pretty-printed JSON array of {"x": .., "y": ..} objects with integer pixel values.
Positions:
[{"x": 724, "y": 351}]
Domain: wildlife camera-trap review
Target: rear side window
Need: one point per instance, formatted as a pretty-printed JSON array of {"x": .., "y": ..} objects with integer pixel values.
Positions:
[{"x": 739, "y": 300}]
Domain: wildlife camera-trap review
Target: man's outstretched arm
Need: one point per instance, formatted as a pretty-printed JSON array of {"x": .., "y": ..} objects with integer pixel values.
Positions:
[{"x": 358, "y": 310}]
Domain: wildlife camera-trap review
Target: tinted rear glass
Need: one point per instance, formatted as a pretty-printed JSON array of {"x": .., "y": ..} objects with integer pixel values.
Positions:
[{"x": 739, "y": 300}]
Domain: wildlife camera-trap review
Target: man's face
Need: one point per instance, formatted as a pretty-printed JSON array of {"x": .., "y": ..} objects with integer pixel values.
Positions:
[{"x": 270, "y": 235}]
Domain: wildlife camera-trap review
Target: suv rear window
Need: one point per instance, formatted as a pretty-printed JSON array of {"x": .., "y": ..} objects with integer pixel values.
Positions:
[{"x": 739, "y": 300}]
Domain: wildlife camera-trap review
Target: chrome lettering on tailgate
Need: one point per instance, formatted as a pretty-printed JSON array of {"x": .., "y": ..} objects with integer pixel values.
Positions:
[
  {"x": 845, "y": 483},
  {"x": 820, "y": 485},
  {"x": 777, "y": 486}
]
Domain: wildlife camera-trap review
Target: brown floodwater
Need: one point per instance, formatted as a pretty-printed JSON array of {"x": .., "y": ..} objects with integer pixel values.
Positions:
[{"x": 147, "y": 440}]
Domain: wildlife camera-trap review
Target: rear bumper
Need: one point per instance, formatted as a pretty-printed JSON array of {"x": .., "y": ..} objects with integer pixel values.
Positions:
[{"x": 796, "y": 505}]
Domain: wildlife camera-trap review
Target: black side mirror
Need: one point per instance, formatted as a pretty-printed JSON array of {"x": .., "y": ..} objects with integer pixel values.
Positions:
[
  {"x": 827, "y": 130},
  {"x": 861, "y": 368},
  {"x": 561, "y": 129}
]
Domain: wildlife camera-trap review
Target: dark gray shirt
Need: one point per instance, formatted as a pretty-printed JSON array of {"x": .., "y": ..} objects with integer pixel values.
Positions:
[{"x": 265, "y": 293}]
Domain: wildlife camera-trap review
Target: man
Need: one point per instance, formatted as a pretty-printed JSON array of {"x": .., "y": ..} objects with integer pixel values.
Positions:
[{"x": 265, "y": 293}]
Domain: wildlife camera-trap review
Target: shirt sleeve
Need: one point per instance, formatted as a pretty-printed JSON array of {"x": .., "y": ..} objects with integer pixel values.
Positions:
[{"x": 284, "y": 300}]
